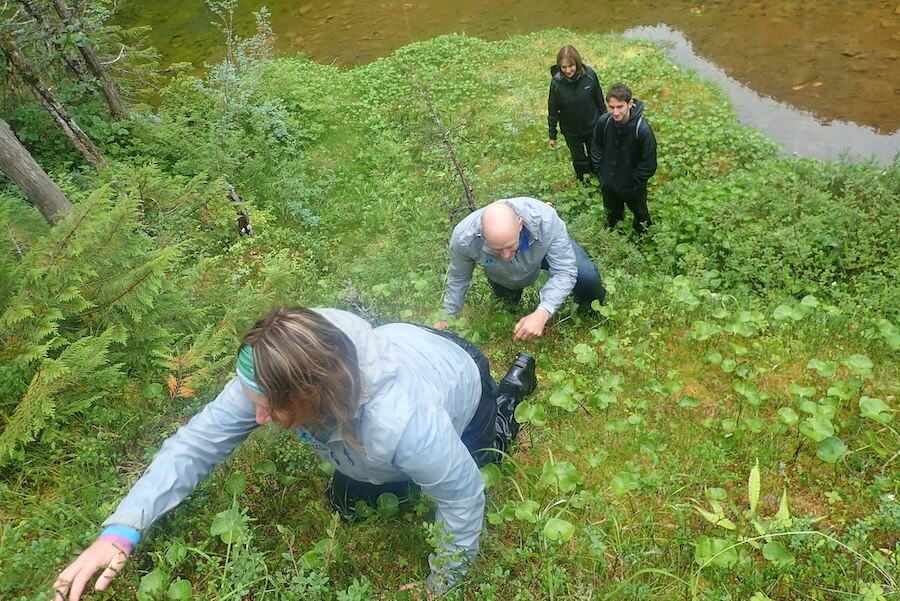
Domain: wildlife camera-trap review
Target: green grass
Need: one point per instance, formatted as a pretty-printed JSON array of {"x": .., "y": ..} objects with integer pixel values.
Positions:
[{"x": 644, "y": 413}]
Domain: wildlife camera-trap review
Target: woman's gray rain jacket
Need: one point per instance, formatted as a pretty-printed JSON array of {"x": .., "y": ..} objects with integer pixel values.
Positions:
[{"x": 419, "y": 392}]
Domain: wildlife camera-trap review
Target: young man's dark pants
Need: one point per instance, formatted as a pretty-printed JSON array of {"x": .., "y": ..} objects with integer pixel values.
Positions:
[
  {"x": 491, "y": 429},
  {"x": 588, "y": 284},
  {"x": 580, "y": 147},
  {"x": 615, "y": 204}
]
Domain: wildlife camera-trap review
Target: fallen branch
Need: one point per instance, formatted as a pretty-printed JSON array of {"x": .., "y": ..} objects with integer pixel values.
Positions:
[{"x": 447, "y": 140}]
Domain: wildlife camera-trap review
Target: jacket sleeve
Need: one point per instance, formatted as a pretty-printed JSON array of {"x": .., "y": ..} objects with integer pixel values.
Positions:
[
  {"x": 597, "y": 144},
  {"x": 187, "y": 457},
  {"x": 459, "y": 277},
  {"x": 552, "y": 112},
  {"x": 563, "y": 268},
  {"x": 431, "y": 453},
  {"x": 646, "y": 164}
]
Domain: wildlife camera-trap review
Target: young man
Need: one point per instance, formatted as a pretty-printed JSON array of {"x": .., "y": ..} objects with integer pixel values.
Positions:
[
  {"x": 386, "y": 406},
  {"x": 513, "y": 240},
  {"x": 623, "y": 155}
]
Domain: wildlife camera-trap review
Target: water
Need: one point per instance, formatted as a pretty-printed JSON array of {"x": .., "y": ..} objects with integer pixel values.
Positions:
[
  {"x": 818, "y": 77},
  {"x": 798, "y": 131}
]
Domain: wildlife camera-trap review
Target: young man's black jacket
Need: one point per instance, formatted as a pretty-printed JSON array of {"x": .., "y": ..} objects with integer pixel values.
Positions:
[
  {"x": 624, "y": 156},
  {"x": 575, "y": 104}
]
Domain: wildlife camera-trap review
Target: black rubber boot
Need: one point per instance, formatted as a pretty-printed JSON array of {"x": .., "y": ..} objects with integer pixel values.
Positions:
[{"x": 520, "y": 381}]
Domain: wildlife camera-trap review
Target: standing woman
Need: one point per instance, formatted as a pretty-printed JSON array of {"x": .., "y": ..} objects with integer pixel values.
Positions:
[
  {"x": 388, "y": 407},
  {"x": 576, "y": 103}
]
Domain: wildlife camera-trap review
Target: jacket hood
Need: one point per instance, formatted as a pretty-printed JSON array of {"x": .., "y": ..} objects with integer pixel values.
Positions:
[
  {"x": 374, "y": 354},
  {"x": 637, "y": 111}
]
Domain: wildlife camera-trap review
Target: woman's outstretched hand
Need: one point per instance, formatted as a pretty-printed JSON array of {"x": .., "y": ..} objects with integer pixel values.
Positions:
[
  {"x": 103, "y": 554},
  {"x": 418, "y": 591}
]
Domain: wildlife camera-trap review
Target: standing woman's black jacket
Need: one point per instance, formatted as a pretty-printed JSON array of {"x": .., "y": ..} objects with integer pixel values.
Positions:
[
  {"x": 575, "y": 104},
  {"x": 624, "y": 156}
]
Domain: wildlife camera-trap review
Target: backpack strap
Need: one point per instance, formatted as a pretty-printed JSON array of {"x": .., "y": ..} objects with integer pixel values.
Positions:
[{"x": 637, "y": 128}]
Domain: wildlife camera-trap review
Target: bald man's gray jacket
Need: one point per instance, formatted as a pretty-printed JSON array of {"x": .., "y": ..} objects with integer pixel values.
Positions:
[{"x": 548, "y": 238}]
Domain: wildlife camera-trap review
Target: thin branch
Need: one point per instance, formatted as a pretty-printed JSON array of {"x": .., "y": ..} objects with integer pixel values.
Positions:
[
  {"x": 447, "y": 141},
  {"x": 15, "y": 242},
  {"x": 115, "y": 60}
]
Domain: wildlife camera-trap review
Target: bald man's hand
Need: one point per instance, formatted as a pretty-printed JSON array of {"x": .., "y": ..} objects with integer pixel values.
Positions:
[{"x": 532, "y": 325}]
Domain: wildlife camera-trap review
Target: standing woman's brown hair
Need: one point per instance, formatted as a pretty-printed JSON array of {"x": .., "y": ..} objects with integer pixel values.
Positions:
[
  {"x": 307, "y": 368},
  {"x": 569, "y": 52}
]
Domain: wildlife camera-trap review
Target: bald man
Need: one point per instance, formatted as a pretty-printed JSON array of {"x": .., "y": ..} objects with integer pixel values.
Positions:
[{"x": 513, "y": 240}]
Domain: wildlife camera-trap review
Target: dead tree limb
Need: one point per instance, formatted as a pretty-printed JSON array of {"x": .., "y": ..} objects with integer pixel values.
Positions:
[
  {"x": 50, "y": 32},
  {"x": 18, "y": 164},
  {"x": 447, "y": 141},
  {"x": 115, "y": 102},
  {"x": 81, "y": 141}
]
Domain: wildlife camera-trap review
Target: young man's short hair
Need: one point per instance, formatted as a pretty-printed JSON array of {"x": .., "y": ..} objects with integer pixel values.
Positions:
[{"x": 619, "y": 91}]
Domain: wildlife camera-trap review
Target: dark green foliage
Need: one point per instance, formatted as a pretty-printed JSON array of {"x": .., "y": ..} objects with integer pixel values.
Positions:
[
  {"x": 122, "y": 322},
  {"x": 789, "y": 227}
]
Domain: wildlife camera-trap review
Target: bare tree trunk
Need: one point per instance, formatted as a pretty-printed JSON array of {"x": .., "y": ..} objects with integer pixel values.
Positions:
[
  {"x": 50, "y": 39},
  {"x": 18, "y": 164},
  {"x": 62, "y": 117},
  {"x": 115, "y": 102}
]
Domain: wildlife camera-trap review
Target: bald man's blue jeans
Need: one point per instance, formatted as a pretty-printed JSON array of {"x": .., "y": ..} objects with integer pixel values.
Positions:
[{"x": 588, "y": 284}]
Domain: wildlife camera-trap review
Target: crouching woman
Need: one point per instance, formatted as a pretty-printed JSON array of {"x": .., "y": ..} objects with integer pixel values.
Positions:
[{"x": 387, "y": 407}]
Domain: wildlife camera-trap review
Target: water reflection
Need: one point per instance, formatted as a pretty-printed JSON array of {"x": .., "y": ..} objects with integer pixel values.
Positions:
[{"x": 798, "y": 131}]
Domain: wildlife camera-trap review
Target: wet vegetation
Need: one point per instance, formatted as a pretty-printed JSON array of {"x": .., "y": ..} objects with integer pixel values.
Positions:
[{"x": 724, "y": 428}]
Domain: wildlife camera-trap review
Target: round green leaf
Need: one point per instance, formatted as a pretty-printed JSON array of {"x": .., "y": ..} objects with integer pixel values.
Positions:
[
  {"x": 491, "y": 475},
  {"x": 688, "y": 401},
  {"x": 715, "y": 551},
  {"x": 527, "y": 510},
  {"x": 825, "y": 369},
  {"x": 775, "y": 552},
  {"x": 782, "y": 312},
  {"x": 227, "y": 525},
  {"x": 562, "y": 474},
  {"x": 714, "y": 357},
  {"x": 605, "y": 398},
  {"x": 788, "y": 416},
  {"x": 809, "y": 301},
  {"x": 236, "y": 483},
  {"x": 802, "y": 391},
  {"x": 563, "y": 400},
  {"x": 531, "y": 413},
  {"x": 716, "y": 494},
  {"x": 388, "y": 504},
  {"x": 584, "y": 353},
  {"x": 559, "y": 530},
  {"x": 153, "y": 584},
  {"x": 623, "y": 482},
  {"x": 817, "y": 428},
  {"x": 875, "y": 409},
  {"x": 859, "y": 364},
  {"x": 180, "y": 590},
  {"x": 831, "y": 449},
  {"x": 265, "y": 467},
  {"x": 152, "y": 390}
]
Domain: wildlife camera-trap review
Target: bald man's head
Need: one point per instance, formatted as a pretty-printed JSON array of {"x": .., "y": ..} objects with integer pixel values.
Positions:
[{"x": 501, "y": 226}]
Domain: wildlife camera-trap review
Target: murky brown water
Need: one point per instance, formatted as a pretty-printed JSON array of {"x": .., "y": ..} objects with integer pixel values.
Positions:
[{"x": 836, "y": 60}]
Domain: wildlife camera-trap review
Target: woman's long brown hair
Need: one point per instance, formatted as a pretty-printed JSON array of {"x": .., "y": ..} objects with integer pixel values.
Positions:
[{"x": 307, "y": 368}]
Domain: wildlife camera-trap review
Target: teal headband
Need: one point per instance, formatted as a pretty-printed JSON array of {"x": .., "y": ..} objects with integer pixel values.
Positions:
[{"x": 245, "y": 371}]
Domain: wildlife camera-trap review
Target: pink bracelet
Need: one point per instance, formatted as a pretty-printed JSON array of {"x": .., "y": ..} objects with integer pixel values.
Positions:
[{"x": 120, "y": 542}]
